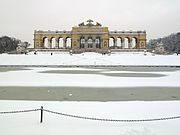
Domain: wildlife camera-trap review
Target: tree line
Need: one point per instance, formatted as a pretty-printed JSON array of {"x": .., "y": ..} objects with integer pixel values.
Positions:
[
  {"x": 8, "y": 44},
  {"x": 171, "y": 43}
]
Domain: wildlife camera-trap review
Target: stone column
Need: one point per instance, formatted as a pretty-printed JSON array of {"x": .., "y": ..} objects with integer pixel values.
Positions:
[
  {"x": 123, "y": 43},
  {"x": 79, "y": 43},
  {"x": 42, "y": 44},
  {"x": 142, "y": 45},
  {"x": 87, "y": 43},
  {"x": 100, "y": 44},
  {"x": 137, "y": 45},
  {"x": 64, "y": 43},
  {"x": 130, "y": 44},
  {"x": 56, "y": 43},
  {"x": 94, "y": 44},
  {"x": 49, "y": 43},
  {"x": 115, "y": 43}
]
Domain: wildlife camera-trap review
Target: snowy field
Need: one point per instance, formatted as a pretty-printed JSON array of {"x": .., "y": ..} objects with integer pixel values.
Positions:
[
  {"x": 90, "y": 59},
  {"x": 28, "y": 123}
]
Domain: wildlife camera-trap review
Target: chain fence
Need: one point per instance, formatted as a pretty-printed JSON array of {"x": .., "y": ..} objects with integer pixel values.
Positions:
[
  {"x": 20, "y": 111},
  {"x": 111, "y": 120},
  {"x": 90, "y": 118}
]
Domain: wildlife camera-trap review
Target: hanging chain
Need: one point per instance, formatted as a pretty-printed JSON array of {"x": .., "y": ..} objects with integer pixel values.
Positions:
[
  {"x": 21, "y": 111},
  {"x": 93, "y": 118},
  {"x": 112, "y": 120}
]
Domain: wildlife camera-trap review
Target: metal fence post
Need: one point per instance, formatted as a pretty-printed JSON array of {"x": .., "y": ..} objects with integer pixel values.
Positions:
[{"x": 41, "y": 114}]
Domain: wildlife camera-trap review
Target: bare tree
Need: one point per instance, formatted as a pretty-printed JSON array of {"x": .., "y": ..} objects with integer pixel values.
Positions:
[{"x": 171, "y": 43}]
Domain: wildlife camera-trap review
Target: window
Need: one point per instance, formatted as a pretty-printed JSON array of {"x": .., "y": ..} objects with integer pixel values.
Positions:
[
  {"x": 97, "y": 43},
  {"x": 90, "y": 43},
  {"x": 82, "y": 43}
]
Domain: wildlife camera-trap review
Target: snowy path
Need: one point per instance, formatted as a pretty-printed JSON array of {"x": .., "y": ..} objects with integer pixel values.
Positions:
[{"x": 90, "y": 59}]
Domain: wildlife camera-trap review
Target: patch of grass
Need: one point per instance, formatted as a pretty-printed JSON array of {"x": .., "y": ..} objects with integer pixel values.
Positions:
[{"x": 7, "y": 69}]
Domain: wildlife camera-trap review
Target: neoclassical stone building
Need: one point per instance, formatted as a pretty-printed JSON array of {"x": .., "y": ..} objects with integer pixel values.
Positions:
[{"x": 90, "y": 36}]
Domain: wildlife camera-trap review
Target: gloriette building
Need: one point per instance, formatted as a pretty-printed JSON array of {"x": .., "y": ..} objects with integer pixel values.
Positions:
[{"x": 89, "y": 37}]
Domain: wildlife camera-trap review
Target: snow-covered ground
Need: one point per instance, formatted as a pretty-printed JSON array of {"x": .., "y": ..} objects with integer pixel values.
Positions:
[
  {"x": 29, "y": 123},
  {"x": 89, "y": 59}
]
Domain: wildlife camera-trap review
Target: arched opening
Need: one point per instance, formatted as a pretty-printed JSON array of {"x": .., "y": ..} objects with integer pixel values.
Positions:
[
  {"x": 90, "y": 42},
  {"x": 46, "y": 42},
  {"x": 126, "y": 42},
  {"x": 82, "y": 42},
  {"x": 60, "y": 42},
  {"x": 133, "y": 42},
  {"x": 68, "y": 42},
  {"x": 111, "y": 42},
  {"x": 97, "y": 42},
  {"x": 53, "y": 42},
  {"x": 119, "y": 42}
]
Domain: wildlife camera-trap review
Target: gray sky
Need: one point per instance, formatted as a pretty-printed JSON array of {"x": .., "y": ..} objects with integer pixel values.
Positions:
[{"x": 19, "y": 18}]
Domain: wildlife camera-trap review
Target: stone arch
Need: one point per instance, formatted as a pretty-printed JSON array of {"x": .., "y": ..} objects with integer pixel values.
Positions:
[
  {"x": 53, "y": 42},
  {"x": 119, "y": 42},
  {"x": 127, "y": 42},
  {"x": 60, "y": 42},
  {"x": 46, "y": 42},
  {"x": 133, "y": 42},
  {"x": 68, "y": 42},
  {"x": 111, "y": 42}
]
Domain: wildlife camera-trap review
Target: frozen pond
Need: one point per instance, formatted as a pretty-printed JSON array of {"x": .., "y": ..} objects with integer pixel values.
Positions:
[{"x": 90, "y": 84}]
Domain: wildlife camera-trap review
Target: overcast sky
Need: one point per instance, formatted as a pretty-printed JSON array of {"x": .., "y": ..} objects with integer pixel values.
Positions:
[{"x": 19, "y": 18}]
